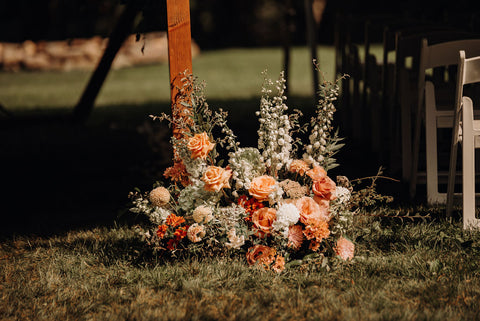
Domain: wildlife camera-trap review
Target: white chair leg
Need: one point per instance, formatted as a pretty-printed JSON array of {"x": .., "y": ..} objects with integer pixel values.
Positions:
[
  {"x": 468, "y": 155},
  {"x": 433, "y": 197}
]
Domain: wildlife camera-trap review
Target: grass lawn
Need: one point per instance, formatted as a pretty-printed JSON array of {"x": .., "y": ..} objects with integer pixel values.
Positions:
[
  {"x": 402, "y": 271},
  {"x": 69, "y": 251}
]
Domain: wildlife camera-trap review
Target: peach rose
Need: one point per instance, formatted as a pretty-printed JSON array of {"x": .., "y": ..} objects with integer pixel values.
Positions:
[
  {"x": 216, "y": 178},
  {"x": 299, "y": 166},
  {"x": 345, "y": 249},
  {"x": 261, "y": 187},
  {"x": 263, "y": 220},
  {"x": 261, "y": 254},
  {"x": 324, "y": 188},
  {"x": 317, "y": 173},
  {"x": 199, "y": 145},
  {"x": 324, "y": 207},
  {"x": 309, "y": 210}
]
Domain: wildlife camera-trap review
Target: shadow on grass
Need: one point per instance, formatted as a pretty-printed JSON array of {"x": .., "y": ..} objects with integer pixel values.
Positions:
[{"x": 58, "y": 177}]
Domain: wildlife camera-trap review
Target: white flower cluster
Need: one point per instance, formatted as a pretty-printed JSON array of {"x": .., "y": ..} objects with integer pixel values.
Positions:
[
  {"x": 156, "y": 215},
  {"x": 234, "y": 241},
  {"x": 287, "y": 215},
  {"x": 159, "y": 215},
  {"x": 195, "y": 195},
  {"x": 274, "y": 132},
  {"x": 229, "y": 216},
  {"x": 321, "y": 125},
  {"x": 276, "y": 194},
  {"x": 246, "y": 164},
  {"x": 343, "y": 194}
]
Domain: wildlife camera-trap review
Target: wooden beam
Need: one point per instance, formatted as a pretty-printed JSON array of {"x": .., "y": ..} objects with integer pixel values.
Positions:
[
  {"x": 117, "y": 38},
  {"x": 179, "y": 48}
]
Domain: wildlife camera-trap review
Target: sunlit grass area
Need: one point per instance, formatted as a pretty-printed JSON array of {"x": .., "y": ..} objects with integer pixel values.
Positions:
[
  {"x": 229, "y": 74},
  {"x": 423, "y": 270}
]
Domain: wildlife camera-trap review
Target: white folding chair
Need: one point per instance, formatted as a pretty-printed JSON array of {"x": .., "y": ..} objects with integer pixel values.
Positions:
[
  {"x": 437, "y": 115},
  {"x": 467, "y": 130}
]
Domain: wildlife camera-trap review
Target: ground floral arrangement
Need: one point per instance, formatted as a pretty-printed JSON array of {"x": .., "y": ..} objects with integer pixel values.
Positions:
[{"x": 275, "y": 203}]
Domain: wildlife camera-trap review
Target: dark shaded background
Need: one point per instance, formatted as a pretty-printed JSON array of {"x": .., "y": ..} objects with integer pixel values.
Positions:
[{"x": 215, "y": 23}]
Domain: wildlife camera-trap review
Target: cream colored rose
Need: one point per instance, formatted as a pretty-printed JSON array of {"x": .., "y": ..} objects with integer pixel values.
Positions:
[
  {"x": 216, "y": 178},
  {"x": 202, "y": 214},
  {"x": 261, "y": 187},
  {"x": 200, "y": 145},
  {"x": 195, "y": 232},
  {"x": 159, "y": 196}
]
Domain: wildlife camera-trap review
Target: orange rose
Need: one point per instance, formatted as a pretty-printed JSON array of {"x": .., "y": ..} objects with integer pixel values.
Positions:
[
  {"x": 216, "y": 178},
  {"x": 309, "y": 210},
  {"x": 299, "y": 166},
  {"x": 200, "y": 145},
  {"x": 263, "y": 220},
  {"x": 317, "y": 173},
  {"x": 261, "y": 254},
  {"x": 324, "y": 188},
  {"x": 261, "y": 187}
]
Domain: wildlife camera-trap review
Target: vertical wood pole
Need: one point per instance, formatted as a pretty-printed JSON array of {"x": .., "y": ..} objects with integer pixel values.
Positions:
[{"x": 179, "y": 48}]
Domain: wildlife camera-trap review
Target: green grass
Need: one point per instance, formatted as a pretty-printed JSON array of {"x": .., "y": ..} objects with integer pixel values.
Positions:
[
  {"x": 402, "y": 271},
  {"x": 229, "y": 74}
]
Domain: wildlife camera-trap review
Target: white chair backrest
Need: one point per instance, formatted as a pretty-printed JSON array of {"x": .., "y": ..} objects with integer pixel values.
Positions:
[
  {"x": 471, "y": 68},
  {"x": 444, "y": 54}
]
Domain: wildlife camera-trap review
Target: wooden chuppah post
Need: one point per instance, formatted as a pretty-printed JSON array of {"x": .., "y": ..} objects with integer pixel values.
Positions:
[
  {"x": 179, "y": 61},
  {"x": 179, "y": 52}
]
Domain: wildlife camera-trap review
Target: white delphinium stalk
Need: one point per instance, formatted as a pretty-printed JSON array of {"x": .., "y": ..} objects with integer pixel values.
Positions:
[
  {"x": 322, "y": 143},
  {"x": 246, "y": 164},
  {"x": 287, "y": 215},
  {"x": 274, "y": 131}
]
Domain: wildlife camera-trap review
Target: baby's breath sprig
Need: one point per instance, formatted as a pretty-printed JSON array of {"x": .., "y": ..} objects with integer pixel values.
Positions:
[{"x": 229, "y": 139}]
